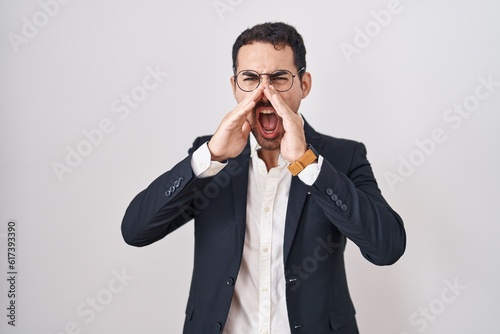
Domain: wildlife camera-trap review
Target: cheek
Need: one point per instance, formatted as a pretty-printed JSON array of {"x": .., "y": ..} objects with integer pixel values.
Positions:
[
  {"x": 293, "y": 103},
  {"x": 295, "y": 98},
  {"x": 240, "y": 95}
]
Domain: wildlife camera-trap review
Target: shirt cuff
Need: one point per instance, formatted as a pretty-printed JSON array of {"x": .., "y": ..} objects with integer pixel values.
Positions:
[
  {"x": 202, "y": 164},
  {"x": 309, "y": 174}
]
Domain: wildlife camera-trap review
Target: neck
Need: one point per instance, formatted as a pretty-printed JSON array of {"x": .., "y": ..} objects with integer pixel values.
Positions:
[{"x": 270, "y": 158}]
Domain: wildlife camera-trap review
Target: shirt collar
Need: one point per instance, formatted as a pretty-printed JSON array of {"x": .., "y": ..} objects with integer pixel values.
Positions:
[{"x": 254, "y": 146}]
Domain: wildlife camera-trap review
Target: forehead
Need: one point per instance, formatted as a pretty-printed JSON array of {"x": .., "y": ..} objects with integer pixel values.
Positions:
[{"x": 264, "y": 57}]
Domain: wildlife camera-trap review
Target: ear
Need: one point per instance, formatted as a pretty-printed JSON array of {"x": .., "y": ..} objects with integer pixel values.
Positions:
[
  {"x": 306, "y": 84},
  {"x": 233, "y": 84}
]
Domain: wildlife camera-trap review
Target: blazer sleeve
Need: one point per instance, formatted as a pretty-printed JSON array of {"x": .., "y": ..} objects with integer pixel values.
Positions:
[
  {"x": 165, "y": 205},
  {"x": 353, "y": 202}
]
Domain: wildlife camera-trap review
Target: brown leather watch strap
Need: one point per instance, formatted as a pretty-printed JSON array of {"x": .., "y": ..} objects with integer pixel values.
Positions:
[{"x": 308, "y": 158}]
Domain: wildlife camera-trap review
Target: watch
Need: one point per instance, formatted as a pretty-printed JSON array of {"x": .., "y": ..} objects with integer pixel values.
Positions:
[{"x": 308, "y": 158}]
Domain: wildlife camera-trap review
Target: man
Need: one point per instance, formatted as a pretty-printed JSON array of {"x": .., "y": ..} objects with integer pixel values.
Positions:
[{"x": 273, "y": 202}]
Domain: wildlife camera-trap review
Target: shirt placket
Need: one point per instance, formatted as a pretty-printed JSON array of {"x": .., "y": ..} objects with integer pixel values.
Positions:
[{"x": 270, "y": 187}]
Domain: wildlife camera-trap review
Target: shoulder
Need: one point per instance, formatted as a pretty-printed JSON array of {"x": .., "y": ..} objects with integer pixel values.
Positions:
[
  {"x": 340, "y": 143},
  {"x": 330, "y": 143},
  {"x": 344, "y": 154}
]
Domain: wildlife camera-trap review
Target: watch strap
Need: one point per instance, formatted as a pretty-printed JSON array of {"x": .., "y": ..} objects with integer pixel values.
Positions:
[{"x": 305, "y": 160}]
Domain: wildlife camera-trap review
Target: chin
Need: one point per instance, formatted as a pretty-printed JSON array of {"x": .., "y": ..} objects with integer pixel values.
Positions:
[{"x": 266, "y": 143}]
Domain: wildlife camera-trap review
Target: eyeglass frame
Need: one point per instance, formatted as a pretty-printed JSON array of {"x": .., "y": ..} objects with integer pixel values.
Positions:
[{"x": 268, "y": 78}]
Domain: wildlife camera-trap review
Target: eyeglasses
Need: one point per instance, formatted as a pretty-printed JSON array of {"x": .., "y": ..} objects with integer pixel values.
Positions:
[{"x": 282, "y": 80}]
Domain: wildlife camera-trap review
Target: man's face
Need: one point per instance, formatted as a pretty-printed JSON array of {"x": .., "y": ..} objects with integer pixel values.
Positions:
[{"x": 266, "y": 125}]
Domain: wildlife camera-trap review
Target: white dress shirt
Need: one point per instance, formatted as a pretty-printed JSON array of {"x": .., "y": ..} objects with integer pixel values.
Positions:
[{"x": 259, "y": 300}]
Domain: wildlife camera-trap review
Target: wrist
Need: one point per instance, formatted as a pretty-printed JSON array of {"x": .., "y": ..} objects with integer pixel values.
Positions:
[
  {"x": 310, "y": 156},
  {"x": 215, "y": 157}
]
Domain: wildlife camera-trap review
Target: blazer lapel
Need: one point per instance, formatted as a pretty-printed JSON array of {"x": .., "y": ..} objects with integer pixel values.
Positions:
[
  {"x": 298, "y": 195},
  {"x": 296, "y": 201},
  {"x": 239, "y": 187}
]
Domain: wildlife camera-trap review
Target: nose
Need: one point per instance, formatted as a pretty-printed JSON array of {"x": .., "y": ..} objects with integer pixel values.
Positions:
[{"x": 265, "y": 79}]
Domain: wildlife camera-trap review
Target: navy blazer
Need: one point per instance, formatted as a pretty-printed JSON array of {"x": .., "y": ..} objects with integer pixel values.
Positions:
[{"x": 345, "y": 201}]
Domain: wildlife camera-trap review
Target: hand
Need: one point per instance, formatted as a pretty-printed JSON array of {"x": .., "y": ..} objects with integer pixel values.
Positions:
[
  {"x": 232, "y": 134},
  {"x": 293, "y": 144}
]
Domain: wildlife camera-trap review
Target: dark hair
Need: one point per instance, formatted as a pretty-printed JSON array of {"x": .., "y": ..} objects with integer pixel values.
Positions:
[{"x": 278, "y": 34}]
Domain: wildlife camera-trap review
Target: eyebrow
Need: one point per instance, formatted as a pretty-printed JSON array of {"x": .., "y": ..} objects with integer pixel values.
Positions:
[
  {"x": 275, "y": 72},
  {"x": 249, "y": 72},
  {"x": 279, "y": 72}
]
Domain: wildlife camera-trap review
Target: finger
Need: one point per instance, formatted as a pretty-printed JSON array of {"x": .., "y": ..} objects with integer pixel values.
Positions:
[
  {"x": 251, "y": 100},
  {"x": 291, "y": 120},
  {"x": 248, "y": 103},
  {"x": 238, "y": 115},
  {"x": 277, "y": 102},
  {"x": 246, "y": 128}
]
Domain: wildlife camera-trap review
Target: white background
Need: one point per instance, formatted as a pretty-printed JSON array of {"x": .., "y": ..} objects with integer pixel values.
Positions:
[{"x": 394, "y": 92}]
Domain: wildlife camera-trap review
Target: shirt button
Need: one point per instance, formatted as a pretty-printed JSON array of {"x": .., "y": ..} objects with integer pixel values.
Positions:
[
  {"x": 265, "y": 249},
  {"x": 267, "y": 209}
]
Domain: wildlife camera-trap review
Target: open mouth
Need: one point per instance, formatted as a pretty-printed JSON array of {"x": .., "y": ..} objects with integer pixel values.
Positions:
[{"x": 268, "y": 120}]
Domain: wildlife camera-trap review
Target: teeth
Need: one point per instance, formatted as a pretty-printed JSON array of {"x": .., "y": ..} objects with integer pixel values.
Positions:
[{"x": 267, "y": 112}]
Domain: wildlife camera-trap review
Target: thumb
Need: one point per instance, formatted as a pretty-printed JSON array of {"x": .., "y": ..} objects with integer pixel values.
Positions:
[{"x": 246, "y": 128}]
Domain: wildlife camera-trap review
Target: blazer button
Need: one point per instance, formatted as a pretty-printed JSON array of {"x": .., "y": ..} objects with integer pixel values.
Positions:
[
  {"x": 334, "y": 197},
  {"x": 177, "y": 183},
  {"x": 230, "y": 281},
  {"x": 338, "y": 203},
  {"x": 329, "y": 191},
  {"x": 343, "y": 208},
  {"x": 218, "y": 326},
  {"x": 168, "y": 193}
]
